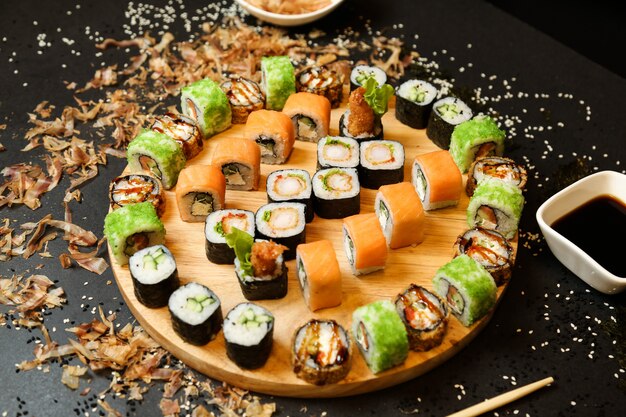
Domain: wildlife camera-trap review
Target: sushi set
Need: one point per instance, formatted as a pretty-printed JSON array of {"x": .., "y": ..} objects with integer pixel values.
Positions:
[{"x": 288, "y": 241}]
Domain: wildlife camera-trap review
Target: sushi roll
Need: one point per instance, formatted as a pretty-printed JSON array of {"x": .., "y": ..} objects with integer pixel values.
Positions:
[
  {"x": 206, "y": 103},
  {"x": 240, "y": 162},
  {"x": 414, "y": 99},
  {"x": 498, "y": 167},
  {"x": 244, "y": 96},
  {"x": 361, "y": 73},
  {"x": 137, "y": 188},
  {"x": 182, "y": 129},
  {"x": 445, "y": 115},
  {"x": 490, "y": 249},
  {"x": 196, "y": 313},
  {"x": 380, "y": 335},
  {"x": 278, "y": 81},
  {"x": 201, "y": 190},
  {"x": 319, "y": 275},
  {"x": 219, "y": 224},
  {"x": 310, "y": 115},
  {"x": 156, "y": 153},
  {"x": 132, "y": 228},
  {"x": 467, "y": 287},
  {"x": 273, "y": 132},
  {"x": 154, "y": 275},
  {"x": 359, "y": 121},
  {"x": 259, "y": 266},
  {"x": 475, "y": 139},
  {"x": 291, "y": 185},
  {"x": 400, "y": 214},
  {"x": 249, "y": 335},
  {"x": 496, "y": 205},
  {"x": 336, "y": 193},
  {"x": 437, "y": 180},
  {"x": 337, "y": 151},
  {"x": 322, "y": 81},
  {"x": 284, "y": 223},
  {"x": 382, "y": 162},
  {"x": 321, "y": 352},
  {"x": 425, "y": 317},
  {"x": 364, "y": 243}
]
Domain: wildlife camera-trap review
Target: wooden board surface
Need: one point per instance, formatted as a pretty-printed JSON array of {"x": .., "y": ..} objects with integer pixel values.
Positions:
[{"x": 404, "y": 266}]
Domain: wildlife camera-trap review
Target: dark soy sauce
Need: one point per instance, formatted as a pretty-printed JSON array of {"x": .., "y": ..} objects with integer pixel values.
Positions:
[{"x": 598, "y": 227}]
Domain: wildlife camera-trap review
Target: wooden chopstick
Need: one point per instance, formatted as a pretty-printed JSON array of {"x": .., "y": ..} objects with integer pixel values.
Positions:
[{"x": 502, "y": 399}]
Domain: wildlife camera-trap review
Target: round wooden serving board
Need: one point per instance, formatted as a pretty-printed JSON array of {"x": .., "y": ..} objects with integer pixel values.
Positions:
[{"x": 404, "y": 266}]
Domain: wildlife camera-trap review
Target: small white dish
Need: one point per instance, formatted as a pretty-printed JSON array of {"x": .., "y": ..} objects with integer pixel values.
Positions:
[
  {"x": 288, "y": 19},
  {"x": 570, "y": 255}
]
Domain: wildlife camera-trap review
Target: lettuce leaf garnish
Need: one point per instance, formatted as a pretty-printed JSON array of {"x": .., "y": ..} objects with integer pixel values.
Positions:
[
  {"x": 377, "y": 97},
  {"x": 241, "y": 242}
]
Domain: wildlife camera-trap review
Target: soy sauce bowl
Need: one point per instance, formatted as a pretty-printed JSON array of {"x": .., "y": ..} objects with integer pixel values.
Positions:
[
  {"x": 288, "y": 19},
  {"x": 574, "y": 258}
]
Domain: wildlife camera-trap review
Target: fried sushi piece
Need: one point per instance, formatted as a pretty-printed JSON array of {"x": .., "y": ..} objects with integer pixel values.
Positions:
[
  {"x": 244, "y": 96},
  {"x": 322, "y": 81},
  {"x": 490, "y": 249},
  {"x": 201, "y": 190},
  {"x": 310, "y": 115},
  {"x": 498, "y": 167},
  {"x": 182, "y": 129},
  {"x": 273, "y": 132},
  {"x": 240, "y": 162},
  {"x": 362, "y": 119},
  {"x": 137, "y": 188}
]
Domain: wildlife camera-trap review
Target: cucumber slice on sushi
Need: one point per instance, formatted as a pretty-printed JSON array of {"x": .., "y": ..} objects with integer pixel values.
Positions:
[
  {"x": 249, "y": 332},
  {"x": 154, "y": 275},
  {"x": 196, "y": 313}
]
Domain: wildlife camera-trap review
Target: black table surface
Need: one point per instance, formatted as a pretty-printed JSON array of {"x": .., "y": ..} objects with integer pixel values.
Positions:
[{"x": 563, "y": 114}]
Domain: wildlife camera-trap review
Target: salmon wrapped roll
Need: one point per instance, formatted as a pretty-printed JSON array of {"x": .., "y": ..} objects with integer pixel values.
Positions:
[
  {"x": 319, "y": 275},
  {"x": 199, "y": 192},
  {"x": 401, "y": 215},
  {"x": 437, "y": 180},
  {"x": 273, "y": 132},
  {"x": 364, "y": 243},
  {"x": 310, "y": 115},
  {"x": 240, "y": 162}
]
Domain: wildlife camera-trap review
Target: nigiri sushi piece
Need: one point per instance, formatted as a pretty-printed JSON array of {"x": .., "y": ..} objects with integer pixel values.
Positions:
[
  {"x": 319, "y": 274},
  {"x": 401, "y": 215},
  {"x": 273, "y": 132},
  {"x": 200, "y": 191},
  {"x": 364, "y": 243},
  {"x": 240, "y": 162},
  {"x": 437, "y": 180},
  {"x": 310, "y": 115}
]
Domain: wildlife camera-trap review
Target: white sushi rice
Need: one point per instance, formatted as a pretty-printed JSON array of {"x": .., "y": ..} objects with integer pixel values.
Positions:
[
  {"x": 178, "y": 303},
  {"x": 419, "y": 179},
  {"x": 289, "y": 184},
  {"x": 382, "y": 155},
  {"x": 147, "y": 276},
  {"x": 365, "y": 70},
  {"x": 384, "y": 216},
  {"x": 276, "y": 220},
  {"x": 464, "y": 113},
  {"x": 240, "y": 334},
  {"x": 211, "y": 225},
  {"x": 336, "y": 183},
  {"x": 406, "y": 91},
  {"x": 338, "y": 151}
]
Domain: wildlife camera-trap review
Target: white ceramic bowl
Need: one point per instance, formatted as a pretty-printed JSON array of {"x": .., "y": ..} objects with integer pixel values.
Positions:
[
  {"x": 570, "y": 255},
  {"x": 288, "y": 19}
]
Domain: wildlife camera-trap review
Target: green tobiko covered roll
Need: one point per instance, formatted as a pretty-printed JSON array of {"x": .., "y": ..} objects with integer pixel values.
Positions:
[
  {"x": 208, "y": 105},
  {"x": 132, "y": 228},
  {"x": 278, "y": 81},
  {"x": 158, "y": 153},
  {"x": 496, "y": 205},
  {"x": 475, "y": 138}
]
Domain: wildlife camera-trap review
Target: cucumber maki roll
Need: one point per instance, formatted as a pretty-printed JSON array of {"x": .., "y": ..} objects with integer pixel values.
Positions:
[
  {"x": 504, "y": 169},
  {"x": 414, "y": 100},
  {"x": 154, "y": 274},
  {"x": 196, "y": 313},
  {"x": 293, "y": 186},
  {"x": 382, "y": 162},
  {"x": 476, "y": 138},
  {"x": 490, "y": 249},
  {"x": 249, "y": 335},
  {"x": 467, "y": 287},
  {"x": 336, "y": 193},
  {"x": 445, "y": 115},
  {"x": 157, "y": 153},
  {"x": 380, "y": 335},
  {"x": 278, "y": 81},
  {"x": 218, "y": 225},
  {"x": 206, "y": 103},
  {"x": 337, "y": 151},
  {"x": 496, "y": 205},
  {"x": 361, "y": 73},
  {"x": 132, "y": 228}
]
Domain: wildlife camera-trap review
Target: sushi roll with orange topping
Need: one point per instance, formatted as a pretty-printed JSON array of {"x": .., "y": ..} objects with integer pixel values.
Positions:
[
  {"x": 401, "y": 215},
  {"x": 273, "y": 132},
  {"x": 240, "y": 162},
  {"x": 437, "y": 180},
  {"x": 201, "y": 190},
  {"x": 310, "y": 115},
  {"x": 364, "y": 243}
]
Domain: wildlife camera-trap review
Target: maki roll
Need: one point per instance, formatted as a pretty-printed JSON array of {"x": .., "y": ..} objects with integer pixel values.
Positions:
[
  {"x": 414, "y": 100},
  {"x": 154, "y": 274},
  {"x": 475, "y": 139},
  {"x": 244, "y": 96},
  {"x": 361, "y": 73},
  {"x": 467, "y": 287},
  {"x": 310, "y": 115},
  {"x": 137, "y": 188},
  {"x": 425, "y": 317},
  {"x": 273, "y": 132},
  {"x": 437, "y": 180},
  {"x": 400, "y": 214},
  {"x": 322, "y": 81},
  {"x": 445, "y": 115},
  {"x": 337, "y": 151},
  {"x": 196, "y": 313},
  {"x": 201, "y": 190},
  {"x": 206, "y": 103},
  {"x": 364, "y": 243},
  {"x": 283, "y": 223},
  {"x": 319, "y": 275},
  {"x": 132, "y": 228},
  {"x": 336, "y": 193},
  {"x": 249, "y": 333},
  {"x": 321, "y": 352},
  {"x": 490, "y": 249},
  {"x": 359, "y": 121},
  {"x": 291, "y": 185},
  {"x": 380, "y": 335},
  {"x": 498, "y": 167},
  {"x": 278, "y": 80},
  {"x": 496, "y": 205},
  {"x": 182, "y": 129},
  {"x": 240, "y": 162},
  {"x": 259, "y": 266},
  {"x": 157, "y": 153},
  {"x": 218, "y": 225},
  {"x": 382, "y": 162}
]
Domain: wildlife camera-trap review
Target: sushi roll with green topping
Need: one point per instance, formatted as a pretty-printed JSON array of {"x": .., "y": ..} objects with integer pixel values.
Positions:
[
  {"x": 154, "y": 274},
  {"x": 414, "y": 100},
  {"x": 278, "y": 81},
  {"x": 206, "y": 103},
  {"x": 496, "y": 205},
  {"x": 445, "y": 115},
  {"x": 476, "y": 138},
  {"x": 157, "y": 153},
  {"x": 249, "y": 335},
  {"x": 196, "y": 313}
]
